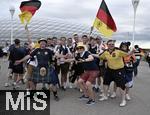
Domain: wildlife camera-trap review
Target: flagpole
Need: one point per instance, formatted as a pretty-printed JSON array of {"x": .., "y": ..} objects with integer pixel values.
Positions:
[
  {"x": 91, "y": 30},
  {"x": 135, "y": 4}
]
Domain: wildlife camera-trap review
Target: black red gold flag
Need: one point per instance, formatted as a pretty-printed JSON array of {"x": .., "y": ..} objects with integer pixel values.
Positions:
[
  {"x": 28, "y": 9},
  {"x": 104, "y": 22}
]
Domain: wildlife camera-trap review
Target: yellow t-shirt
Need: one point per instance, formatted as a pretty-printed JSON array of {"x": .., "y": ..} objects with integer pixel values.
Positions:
[{"x": 114, "y": 59}]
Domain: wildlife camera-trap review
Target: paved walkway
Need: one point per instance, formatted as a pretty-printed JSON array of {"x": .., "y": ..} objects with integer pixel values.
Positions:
[
  {"x": 139, "y": 105},
  {"x": 70, "y": 105}
]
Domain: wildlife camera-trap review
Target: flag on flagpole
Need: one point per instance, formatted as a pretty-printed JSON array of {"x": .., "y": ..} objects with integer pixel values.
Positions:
[
  {"x": 104, "y": 22},
  {"x": 28, "y": 9}
]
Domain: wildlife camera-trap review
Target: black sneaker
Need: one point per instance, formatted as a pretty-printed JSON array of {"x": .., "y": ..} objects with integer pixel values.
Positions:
[
  {"x": 14, "y": 88},
  {"x": 83, "y": 97},
  {"x": 22, "y": 80},
  {"x": 56, "y": 98},
  {"x": 97, "y": 90},
  {"x": 90, "y": 102},
  {"x": 62, "y": 88}
]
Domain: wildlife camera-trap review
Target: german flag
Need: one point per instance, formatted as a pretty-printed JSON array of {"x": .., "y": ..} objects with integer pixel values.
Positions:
[
  {"x": 104, "y": 22},
  {"x": 28, "y": 9}
]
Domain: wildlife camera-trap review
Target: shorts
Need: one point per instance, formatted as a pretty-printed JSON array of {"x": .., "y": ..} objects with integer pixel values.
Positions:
[
  {"x": 10, "y": 65},
  {"x": 128, "y": 79},
  {"x": 64, "y": 68},
  {"x": 89, "y": 75},
  {"x": 118, "y": 76},
  {"x": 18, "y": 69},
  {"x": 102, "y": 71}
]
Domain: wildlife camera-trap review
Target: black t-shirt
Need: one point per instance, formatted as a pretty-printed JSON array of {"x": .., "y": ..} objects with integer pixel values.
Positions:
[
  {"x": 17, "y": 54},
  {"x": 11, "y": 47},
  {"x": 88, "y": 65},
  {"x": 93, "y": 50},
  {"x": 44, "y": 56},
  {"x": 137, "y": 51}
]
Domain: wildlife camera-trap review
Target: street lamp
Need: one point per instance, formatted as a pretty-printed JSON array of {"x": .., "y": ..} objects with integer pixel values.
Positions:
[
  {"x": 135, "y": 4},
  {"x": 12, "y": 11}
]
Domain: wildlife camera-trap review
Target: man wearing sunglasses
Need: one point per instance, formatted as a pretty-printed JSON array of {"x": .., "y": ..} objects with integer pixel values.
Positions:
[{"x": 89, "y": 75}]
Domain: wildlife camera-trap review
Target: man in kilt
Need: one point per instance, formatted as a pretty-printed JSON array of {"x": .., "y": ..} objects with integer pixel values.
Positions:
[{"x": 44, "y": 72}]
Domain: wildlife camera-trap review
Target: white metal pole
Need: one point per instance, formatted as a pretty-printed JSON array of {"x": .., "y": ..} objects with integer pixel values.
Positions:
[
  {"x": 12, "y": 11},
  {"x": 11, "y": 39},
  {"x": 135, "y": 4},
  {"x": 133, "y": 36}
]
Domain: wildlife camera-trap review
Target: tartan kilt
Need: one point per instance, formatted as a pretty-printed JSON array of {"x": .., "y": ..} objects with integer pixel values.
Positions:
[{"x": 50, "y": 77}]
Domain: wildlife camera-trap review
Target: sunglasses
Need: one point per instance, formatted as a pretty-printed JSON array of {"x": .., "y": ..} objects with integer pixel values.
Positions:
[
  {"x": 111, "y": 44},
  {"x": 79, "y": 48}
]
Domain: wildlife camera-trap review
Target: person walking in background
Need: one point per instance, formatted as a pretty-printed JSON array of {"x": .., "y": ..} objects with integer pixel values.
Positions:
[
  {"x": 138, "y": 54},
  {"x": 148, "y": 58},
  {"x": 1, "y": 52},
  {"x": 5, "y": 50},
  {"x": 10, "y": 66}
]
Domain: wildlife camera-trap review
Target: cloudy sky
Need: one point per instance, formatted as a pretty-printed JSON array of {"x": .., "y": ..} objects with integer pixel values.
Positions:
[{"x": 84, "y": 11}]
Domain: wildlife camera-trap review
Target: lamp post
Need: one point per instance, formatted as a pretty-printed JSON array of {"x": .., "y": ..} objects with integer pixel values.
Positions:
[
  {"x": 135, "y": 4},
  {"x": 12, "y": 11}
]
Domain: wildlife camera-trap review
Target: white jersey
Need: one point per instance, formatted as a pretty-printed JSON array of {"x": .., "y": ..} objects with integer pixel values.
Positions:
[{"x": 5, "y": 49}]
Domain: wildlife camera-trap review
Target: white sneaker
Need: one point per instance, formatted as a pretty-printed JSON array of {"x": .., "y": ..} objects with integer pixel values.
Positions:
[
  {"x": 65, "y": 87},
  {"x": 70, "y": 86},
  {"x": 14, "y": 84},
  {"x": 17, "y": 86},
  {"x": 101, "y": 95},
  {"x": 103, "y": 98},
  {"x": 113, "y": 95},
  {"x": 81, "y": 90},
  {"x": 7, "y": 85},
  {"x": 25, "y": 80},
  {"x": 123, "y": 103},
  {"x": 128, "y": 97}
]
